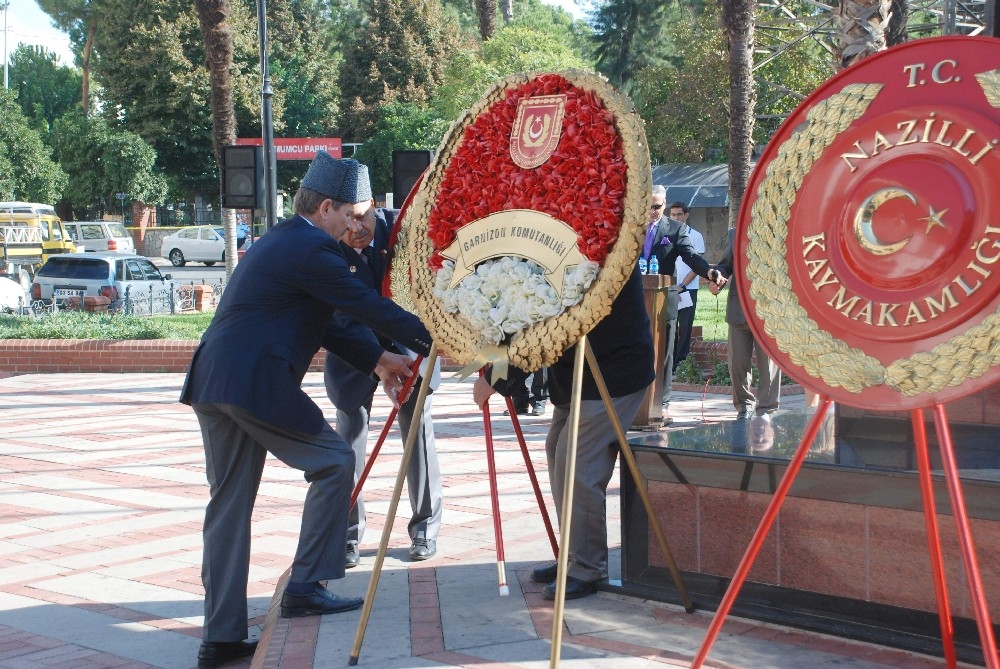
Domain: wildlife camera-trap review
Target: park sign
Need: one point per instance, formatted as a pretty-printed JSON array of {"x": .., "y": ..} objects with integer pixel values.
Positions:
[
  {"x": 870, "y": 232},
  {"x": 298, "y": 148}
]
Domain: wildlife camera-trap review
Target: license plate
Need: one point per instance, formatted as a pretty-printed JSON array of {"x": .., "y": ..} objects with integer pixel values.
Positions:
[{"x": 68, "y": 292}]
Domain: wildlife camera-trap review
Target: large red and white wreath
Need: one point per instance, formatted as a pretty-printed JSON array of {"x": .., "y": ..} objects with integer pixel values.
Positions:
[{"x": 555, "y": 166}]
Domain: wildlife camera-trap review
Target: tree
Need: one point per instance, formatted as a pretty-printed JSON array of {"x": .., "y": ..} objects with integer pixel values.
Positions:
[
  {"x": 486, "y": 12},
  {"x": 863, "y": 25},
  {"x": 27, "y": 171},
  {"x": 79, "y": 19},
  {"x": 103, "y": 161},
  {"x": 217, "y": 36},
  {"x": 739, "y": 24},
  {"x": 398, "y": 54},
  {"x": 45, "y": 88},
  {"x": 628, "y": 35}
]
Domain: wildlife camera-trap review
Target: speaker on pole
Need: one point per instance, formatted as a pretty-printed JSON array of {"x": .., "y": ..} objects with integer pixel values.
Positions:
[
  {"x": 407, "y": 166},
  {"x": 243, "y": 177}
]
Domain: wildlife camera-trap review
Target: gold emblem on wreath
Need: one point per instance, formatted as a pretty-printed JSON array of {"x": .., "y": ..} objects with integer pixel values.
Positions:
[{"x": 537, "y": 129}]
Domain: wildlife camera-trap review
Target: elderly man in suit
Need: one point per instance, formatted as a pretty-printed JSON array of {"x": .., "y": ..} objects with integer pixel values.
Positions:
[
  {"x": 351, "y": 391},
  {"x": 244, "y": 384},
  {"x": 668, "y": 239}
]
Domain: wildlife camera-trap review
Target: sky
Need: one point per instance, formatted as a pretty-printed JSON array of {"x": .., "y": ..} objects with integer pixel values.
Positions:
[{"x": 26, "y": 22}]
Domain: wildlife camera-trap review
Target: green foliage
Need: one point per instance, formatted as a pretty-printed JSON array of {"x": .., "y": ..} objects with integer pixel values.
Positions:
[
  {"x": 27, "y": 171},
  {"x": 149, "y": 59},
  {"x": 85, "y": 325},
  {"x": 45, "y": 88},
  {"x": 628, "y": 35},
  {"x": 401, "y": 125},
  {"x": 104, "y": 161},
  {"x": 397, "y": 54},
  {"x": 558, "y": 23}
]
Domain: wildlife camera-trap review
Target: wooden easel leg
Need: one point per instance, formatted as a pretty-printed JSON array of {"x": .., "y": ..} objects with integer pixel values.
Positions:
[
  {"x": 495, "y": 502},
  {"x": 969, "y": 561},
  {"x": 640, "y": 487},
  {"x": 566, "y": 518},
  {"x": 531, "y": 475},
  {"x": 770, "y": 514},
  {"x": 390, "y": 517},
  {"x": 933, "y": 536}
]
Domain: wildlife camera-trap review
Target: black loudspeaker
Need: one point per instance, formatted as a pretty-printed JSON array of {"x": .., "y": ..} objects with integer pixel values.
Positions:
[
  {"x": 243, "y": 177},
  {"x": 407, "y": 166}
]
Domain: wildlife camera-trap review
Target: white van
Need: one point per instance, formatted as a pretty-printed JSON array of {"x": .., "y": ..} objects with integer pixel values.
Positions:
[{"x": 101, "y": 236}]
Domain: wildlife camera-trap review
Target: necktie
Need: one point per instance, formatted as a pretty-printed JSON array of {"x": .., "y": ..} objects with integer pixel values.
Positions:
[
  {"x": 368, "y": 252},
  {"x": 647, "y": 246}
]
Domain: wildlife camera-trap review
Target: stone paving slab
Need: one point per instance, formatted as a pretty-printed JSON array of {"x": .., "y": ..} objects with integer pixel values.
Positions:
[{"x": 102, "y": 492}]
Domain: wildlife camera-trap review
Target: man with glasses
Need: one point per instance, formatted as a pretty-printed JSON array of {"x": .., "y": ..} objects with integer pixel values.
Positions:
[
  {"x": 687, "y": 287},
  {"x": 668, "y": 239}
]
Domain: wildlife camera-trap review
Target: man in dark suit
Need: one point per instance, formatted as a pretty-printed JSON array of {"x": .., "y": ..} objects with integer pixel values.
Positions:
[
  {"x": 352, "y": 392},
  {"x": 244, "y": 384},
  {"x": 667, "y": 239},
  {"x": 743, "y": 350}
]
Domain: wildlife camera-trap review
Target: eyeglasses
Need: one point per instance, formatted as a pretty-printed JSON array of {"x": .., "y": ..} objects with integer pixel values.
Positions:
[{"x": 656, "y": 207}]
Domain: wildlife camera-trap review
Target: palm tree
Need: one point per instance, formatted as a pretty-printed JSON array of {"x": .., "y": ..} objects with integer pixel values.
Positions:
[
  {"x": 863, "y": 25},
  {"x": 740, "y": 27},
  {"x": 486, "y": 11},
  {"x": 217, "y": 36}
]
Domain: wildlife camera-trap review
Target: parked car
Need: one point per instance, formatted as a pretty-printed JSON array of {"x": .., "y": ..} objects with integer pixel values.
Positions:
[
  {"x": 131, "y": 282},
  {"x": 198, "y": 243},
  {"x": 100, "y": 236},
  {"x": 12, "y": 297}
]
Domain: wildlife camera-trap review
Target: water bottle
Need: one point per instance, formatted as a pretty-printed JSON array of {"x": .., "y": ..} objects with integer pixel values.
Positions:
[
  {"x": 654, "y": 265},
  {"x": 642, "y": 265}
]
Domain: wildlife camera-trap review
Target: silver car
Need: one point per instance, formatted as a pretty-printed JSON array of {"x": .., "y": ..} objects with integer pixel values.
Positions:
[
  {"x": 199, "y": 243},
  {"x": 132, "y": 283}
]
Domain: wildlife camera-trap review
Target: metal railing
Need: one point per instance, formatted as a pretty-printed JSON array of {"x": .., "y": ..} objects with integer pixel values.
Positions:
[{"x": 179, "y": 299}]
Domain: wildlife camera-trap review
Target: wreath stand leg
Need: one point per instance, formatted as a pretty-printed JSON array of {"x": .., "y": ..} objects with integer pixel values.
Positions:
[
  {"x": 969, "y": 561},
  {"x": 411, "y": 440},
  {"x": 407, "y": 386},
  {"x": 566, "y": 518},
  {"x": 770, "y": 514},
  {"x": 495, "y": 501},
  {"x": 640, "y": 486},
  {"x": 531, "y": 475},
  {"x": 933, "y": 536}
]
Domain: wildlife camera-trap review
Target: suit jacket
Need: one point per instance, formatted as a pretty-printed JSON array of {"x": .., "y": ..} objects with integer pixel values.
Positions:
[
  {"x": 276, "y": 313},
  {"x": 670, "y": 242},
  {"x": 346, "y": 386},
  {"x": 734, "y": 310}
]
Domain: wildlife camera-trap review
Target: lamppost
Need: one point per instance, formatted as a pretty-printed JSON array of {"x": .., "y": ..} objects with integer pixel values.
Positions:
[{"x": 4, "y": 4}]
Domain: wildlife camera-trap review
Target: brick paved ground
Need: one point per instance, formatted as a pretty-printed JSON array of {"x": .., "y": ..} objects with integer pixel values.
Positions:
[{"x": 102, "y": 491}]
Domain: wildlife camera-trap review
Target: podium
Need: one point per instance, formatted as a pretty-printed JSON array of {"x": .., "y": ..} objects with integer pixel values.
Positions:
[{"x": 654, "y": 288}]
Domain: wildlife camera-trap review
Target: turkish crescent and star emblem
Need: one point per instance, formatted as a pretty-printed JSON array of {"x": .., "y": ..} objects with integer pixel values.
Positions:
[
  {"x": 536, "y": 130},
  {"x": 870, "y": 232}
]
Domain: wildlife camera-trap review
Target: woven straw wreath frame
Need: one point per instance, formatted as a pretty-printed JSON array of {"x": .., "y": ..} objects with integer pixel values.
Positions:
[{"x": 542, "y": 343}]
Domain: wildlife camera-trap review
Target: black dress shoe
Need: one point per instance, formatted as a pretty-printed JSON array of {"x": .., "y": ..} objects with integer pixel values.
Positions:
[
  {"x": 317, "y": 603},
  {"x": 353, "y": 555},
  {"x": 214, "y": 654},
  {"x": 423, "y": 549},
  {"x": 575, "y": 589},
  {"x": 545, "y": 574}
]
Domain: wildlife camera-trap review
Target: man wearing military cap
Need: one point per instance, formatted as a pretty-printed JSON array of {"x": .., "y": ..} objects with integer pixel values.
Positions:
[{"x": 244, "y": 384}]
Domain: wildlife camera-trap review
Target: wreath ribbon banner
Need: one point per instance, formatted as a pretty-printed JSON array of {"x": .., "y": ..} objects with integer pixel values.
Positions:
[{"x": 517, "y": 232}]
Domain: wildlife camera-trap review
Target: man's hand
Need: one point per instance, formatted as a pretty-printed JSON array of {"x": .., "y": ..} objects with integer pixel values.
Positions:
[
  {"x": 717, "y": 281},
  {"x": 393, "y": 369},
  {"x": 481, "y": 392}
]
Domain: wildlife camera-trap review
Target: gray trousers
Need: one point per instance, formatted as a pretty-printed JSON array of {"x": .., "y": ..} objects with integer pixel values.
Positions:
[
  {"x": 597, "y": 449},
  {"x": 743, "y": 350},
  {"x": 423, "y": 478},
  {"x": 236, "y": 444}
]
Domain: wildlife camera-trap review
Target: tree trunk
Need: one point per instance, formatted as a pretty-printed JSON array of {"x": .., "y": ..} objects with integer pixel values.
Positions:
[
  {"x": 507, "y": 7},
  {"x": 486, "y": 11},
  {"x": 217, "y": 36},
  {"x": 88, "y": 46},
  {"x": 739, "y": 24},
  {"x": 898, "y": 20},
  {"x": 862, "y": 29}
]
